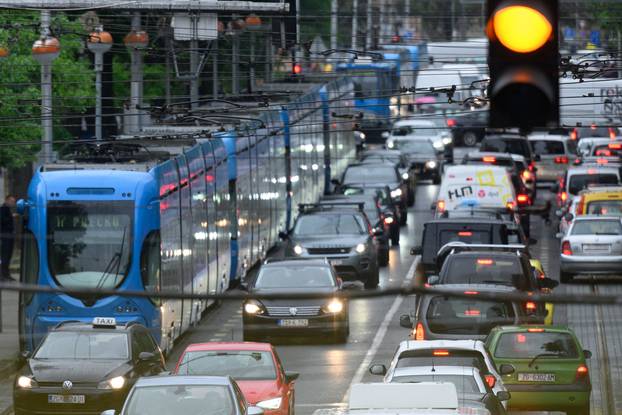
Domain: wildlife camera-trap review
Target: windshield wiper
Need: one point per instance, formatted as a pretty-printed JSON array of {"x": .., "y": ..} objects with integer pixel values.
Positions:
[
  {"x": 115, "y": 257},
  {"x": 542, "y": 355}
]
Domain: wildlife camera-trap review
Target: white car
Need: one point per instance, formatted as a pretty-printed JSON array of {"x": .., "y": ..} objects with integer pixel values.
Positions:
[
  {"x": 443, "y": 353},
  {"x": 555, "y": 151},
  {"x": 414, "y": 129}
]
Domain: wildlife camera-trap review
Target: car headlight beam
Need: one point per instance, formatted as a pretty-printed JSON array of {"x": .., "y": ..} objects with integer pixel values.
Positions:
[
  {"x": 396, "y": 193},
  {"x": 430, "y": 164},
  {"x": 26, "y": 382},
  {"x": 298, "y": 250},
  {"x": 253, "y": 307},
  {"x": 335, "y": 306},
  {"x": 274, "y": 403},
  {"x": 360, "y": 248},
  {"x": 438, "y": 145},
  {"x": 115, "y": 383}
]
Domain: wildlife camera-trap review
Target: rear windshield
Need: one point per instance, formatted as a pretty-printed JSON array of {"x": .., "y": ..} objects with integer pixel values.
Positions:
[
  {"x": 466, "y": 316},
  {"x": 579, "y": 182},
  {"x": 367, "y": 174},
  {"x": 512, "y": 146},
  {"x": 597, "y": 227},
  {"x": 294, "y": 277},
  {"x": 604, "y": 207},
  {"x": 546, "y": 147},
  {"x": 464, "y": 384},
  {"x": 466, "y": 236},
  {"x": 442, "y": 357},
  {"x": 528, "y": 345},
  {"x": 506, "y": 270}
]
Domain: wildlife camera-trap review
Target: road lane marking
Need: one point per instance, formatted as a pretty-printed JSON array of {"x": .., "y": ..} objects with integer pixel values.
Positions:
[{"x": 382, "y": 331}]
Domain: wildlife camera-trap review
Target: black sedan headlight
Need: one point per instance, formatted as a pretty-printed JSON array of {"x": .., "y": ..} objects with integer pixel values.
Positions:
[
  {"x": 335, "y": 306},
  {"x": 26, "y": 382},
  {"x": 253, "y": 307}
]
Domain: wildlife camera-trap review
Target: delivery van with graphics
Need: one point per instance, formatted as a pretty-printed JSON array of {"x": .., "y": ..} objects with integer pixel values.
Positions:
[{"x": 475, "y": 187}]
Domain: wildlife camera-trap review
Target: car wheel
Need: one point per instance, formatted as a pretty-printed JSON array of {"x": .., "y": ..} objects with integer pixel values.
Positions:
[
  {"x": 411, "y": 197},
  {"x": 403, "y": 217},
  {"x": 584, "y": 410},
  {"x": 383, "y": 258},
  {"x": 373, "y": 280},
  {"x": 436, "y": 179},
  {"x": 341, "y": 336},
  {"x": 469, "y": 139},
  {"x": 395, "y": 238},
  {"x": 565, "y": 277}
]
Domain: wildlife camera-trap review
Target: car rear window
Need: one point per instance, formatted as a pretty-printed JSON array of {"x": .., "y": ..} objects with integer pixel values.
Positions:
[
  {"x": 367, "y": 174},
  {"x": 579, "y": 182},
  {"x": 484, "y": 269},
  {"x": 512, "y": 146},
  {"x": 546, "y": 147},
  {"x": 469, "y": 316},
  {"x": 604, "y": 207},
  {"x": 463, "y": 383},
  {"x": 442, "y": 357},
  {"x": 597, "y": 227},
  {"x": 527, "y": 345}
]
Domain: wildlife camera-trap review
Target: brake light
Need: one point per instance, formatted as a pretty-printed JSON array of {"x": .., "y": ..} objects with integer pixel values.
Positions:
[
  {"x": 574, "y": 134},
  {"x": 484, "y": 262},
  {"x": 593, "y": 126},
  {"x": 580, "y": 205},
  {"x": 490, "y": 380},
  {"x": 472, "y": 313},
  {"x": 535, "y": 330},
  {"x": 471, "y": 292},
  {"x": 603, "y": 152},
  {"x": 489, "y": 159},
  {"x": 530, "y": 306},
  {"x": 566, "y": 250},
  {"x": 440, "y": 206},
  {"x": 532, "y": 166},
  {"x": 419, "y": 332},
  {"x": 510, "y": 205},
  {"x": 561, "y": 160},
  {"x": 440, "y": 353},
  {"x": 582, "y": 370},
  {"x": 451, "y": 122},
  {"x": 602, "y": 161},
  {"x": 563, "y": 196},
  {"x": 389, "y": 220},
  {"x": 612, "y": 134},
  {"x": 522, "y": 199},
  {"x": 465, "y": 233},
  {"x": 615, "y": 146},
  {"x": 526, "y": 175}
]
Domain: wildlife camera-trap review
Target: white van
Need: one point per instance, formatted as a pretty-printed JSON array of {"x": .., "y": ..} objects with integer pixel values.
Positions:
[{"x": 472, "y": 186}]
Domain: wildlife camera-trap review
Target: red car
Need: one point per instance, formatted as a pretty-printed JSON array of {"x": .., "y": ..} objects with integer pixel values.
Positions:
[{"x": 255, "y": 367}]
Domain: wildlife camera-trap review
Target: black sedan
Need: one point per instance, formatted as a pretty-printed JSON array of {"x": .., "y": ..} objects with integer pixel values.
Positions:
[
  {"x": 264, "y": 318},
  {"x": 86, "y": 368}
]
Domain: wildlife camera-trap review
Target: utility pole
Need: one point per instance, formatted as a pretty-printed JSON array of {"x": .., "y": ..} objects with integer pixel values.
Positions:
[
  {"x": 355, "y": 23},
  {"x": 235, "y": 64},
  {"x": 135, "y": 41},
  {"x": 215, "y": 68},
  {"x": 370, "y": 24},
  {"x": 333, "y": 24},
  {"x": 194, "y": 63},
  {"x": 45, "y": 59}
]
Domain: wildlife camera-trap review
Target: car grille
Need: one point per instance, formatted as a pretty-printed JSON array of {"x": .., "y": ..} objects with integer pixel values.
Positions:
[
  {"x": 301, "y": 311},
  {"x": 328, "y": 251}
]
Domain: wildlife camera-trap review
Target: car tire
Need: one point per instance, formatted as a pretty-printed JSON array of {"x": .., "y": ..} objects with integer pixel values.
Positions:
[
  {"x": 565, "y": 277},
  {"x": 584, "y": 410},
  {"x": 373, "y": 280},
  {"x": 383, "y": 257},
  {"x": 436, "y": 179},
  {"x": 411, "y": 198},
  {"x": 469, "y": 139},
  {"x": 403, "y": 217},
  {"x": 341, "y": 336},
  {"x": 395, "y": 238}
]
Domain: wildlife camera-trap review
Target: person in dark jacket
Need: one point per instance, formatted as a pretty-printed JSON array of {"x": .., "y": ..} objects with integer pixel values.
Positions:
[{"x": 7, "y": 236}]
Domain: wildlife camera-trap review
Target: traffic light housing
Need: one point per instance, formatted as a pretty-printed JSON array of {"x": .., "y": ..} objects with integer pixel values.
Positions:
[{"x": 523, "y": 58}]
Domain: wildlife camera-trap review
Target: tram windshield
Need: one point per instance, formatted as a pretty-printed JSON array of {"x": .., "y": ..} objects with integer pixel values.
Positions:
[{"x": 89, "y": 243}]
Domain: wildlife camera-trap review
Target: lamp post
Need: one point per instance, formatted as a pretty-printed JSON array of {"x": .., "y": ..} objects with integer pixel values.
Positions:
[
  {"x": 253, "y": 23},
  {"x": 45, "y": 50},
  {"x": 99, "y": 42},
  {"x": 135, "y": 41}
]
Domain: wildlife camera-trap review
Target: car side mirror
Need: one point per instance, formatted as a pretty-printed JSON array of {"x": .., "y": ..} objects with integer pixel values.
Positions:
[
  {"x": 504, "y": 396},
  {"x": 569, "y": 217},
  {"x": 283, "y": 235},
  {"x": 406, "y": 321},
  {"x": 21, "y": 206},
  {"x": 416, "y": 250},
  {"x": 587, "y": 354},
  {"x": 434, "y": 279},
  {"x": 26, "y": 354},
  {"x": 385, "y": 134},
  {"x": 378, "y": 370},
  {"x": 336, "y": 182},
  {"x": 108, "y": 412},
  {"x": 291, "y": 376},
  {"x": 254, "y": 410},
  {"x": 532, "y": 241},
  {"x": 506, "y": 369},
  {"x": 433, "y": 206},
  {"x": 146, "y": 356},
  {"x": 547, "y": 282}
]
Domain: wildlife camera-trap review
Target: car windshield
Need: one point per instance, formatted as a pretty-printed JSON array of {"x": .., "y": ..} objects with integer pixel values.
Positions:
[
  {"x": 512, "y": 146},
  {"x": 604, "y": 207},
  {"x": 89, "y": 243},
  {"x": 464, "y": 384},
  {"x": 597, "y": 227},
  {"x": 527, "y": 345},
  {"x": 467, "y": 316},
  {"x": 370, "y": 174},
  {"x": 326, "y": 224},
  {"x": 83, "y": 345},
  {"x": 416, "y": 146},
  {"x": 294, "y": 277},
  {"x": 579, "y": 182},
  {"x": 181, "y": 399},
  {"x": 547, "y": 147},
  {"x": 485, "y": 269},
  {"x": 239, "y": 364}
]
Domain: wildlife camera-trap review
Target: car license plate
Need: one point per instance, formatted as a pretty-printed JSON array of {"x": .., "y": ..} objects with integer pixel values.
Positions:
[
  {"x": 294, "y": 322},
  {"x": 596, "y": 247},
  {"x": 66, "y": 399},
  {"x": 536, "y": 377},
  {"x": 336, "y": 262}
]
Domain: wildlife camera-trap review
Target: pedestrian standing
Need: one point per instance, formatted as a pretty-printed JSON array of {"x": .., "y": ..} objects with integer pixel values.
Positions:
[{"x": 7, "y": 237}]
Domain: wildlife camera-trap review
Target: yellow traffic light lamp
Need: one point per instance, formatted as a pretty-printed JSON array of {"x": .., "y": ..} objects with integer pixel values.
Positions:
[{"x": 523, "y": 58}]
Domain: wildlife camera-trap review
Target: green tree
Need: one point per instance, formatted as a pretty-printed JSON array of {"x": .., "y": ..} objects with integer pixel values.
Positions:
[{"x": 20, "y": 94}]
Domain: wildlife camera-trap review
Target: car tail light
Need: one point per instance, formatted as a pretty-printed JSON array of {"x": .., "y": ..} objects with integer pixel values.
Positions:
[
  {"x": 577, "y": 161},
  {"x": 465, "y": 233},
  {"x": 602, "y": 161},
  {"x": 471, "y": 292},
  {"x": 615, "y": 146},
  {"x": 440, "y": 353},
  {"x": 582, "y": 370},
  {"x": 563, "y": 196},
  {"x": 593, "y": 126},
  {"x": 561, "y": 160},
  {"x": 419, "y": 332},
  {"x": 389, "y": 220},
  {"x": 526, "y": 175},
  {"x": 532, "y": 166},
  {"x": 566, "y": 250},
  {"x": 591, "y": 171},
  {"x": 451, "y": 122},
  {"x": 440, "y": 206},
  {"x": 489, "y": 159},
  {"x": 490, "y": 380},
  {"x": 580, "y": 205},
  {"x": 472, "y": 313},
  {"x": 603, "y": 152},
  {"x": 531, "y": 307},
  {"x": 484, "y": 261},
  {"x": 574, "y": 134},
  {"x": 510, "y": 205},
  {"x": 522, "y": 199},
  {"x": 612, "y": 134}
]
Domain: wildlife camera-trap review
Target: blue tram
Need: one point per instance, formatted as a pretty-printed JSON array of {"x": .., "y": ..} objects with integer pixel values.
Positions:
[{"x": 188, "y": 215}]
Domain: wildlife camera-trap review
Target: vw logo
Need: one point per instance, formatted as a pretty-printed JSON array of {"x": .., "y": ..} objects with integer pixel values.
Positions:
[
  {"x": 67, "y": 385},
  {"x": 293, "y": 311}
]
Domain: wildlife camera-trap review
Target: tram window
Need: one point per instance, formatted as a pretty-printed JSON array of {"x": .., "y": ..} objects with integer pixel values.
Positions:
[
  {"x": 150, "y": 263},
  {"x": 30, "y": 262}
]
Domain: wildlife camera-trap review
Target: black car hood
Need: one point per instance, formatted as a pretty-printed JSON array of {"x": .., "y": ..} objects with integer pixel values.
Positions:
[
  {"x": 82, "y": 371},
  {"x": 286, "y": 302},
  {"x": 329, "y": 241}
]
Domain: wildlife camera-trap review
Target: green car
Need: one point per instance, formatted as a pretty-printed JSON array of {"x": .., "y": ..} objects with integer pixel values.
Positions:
[{"x": 543, "y": 367}]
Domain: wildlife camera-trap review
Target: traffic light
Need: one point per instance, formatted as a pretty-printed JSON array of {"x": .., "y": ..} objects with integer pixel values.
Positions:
[{"x": 523, "y": 58}]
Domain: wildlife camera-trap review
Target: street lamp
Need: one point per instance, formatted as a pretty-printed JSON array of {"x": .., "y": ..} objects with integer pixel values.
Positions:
[
  {"x": 135, "y": 41},
  {"x": 99, "y": 42},
  {"x": 45, "y": 50}
]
